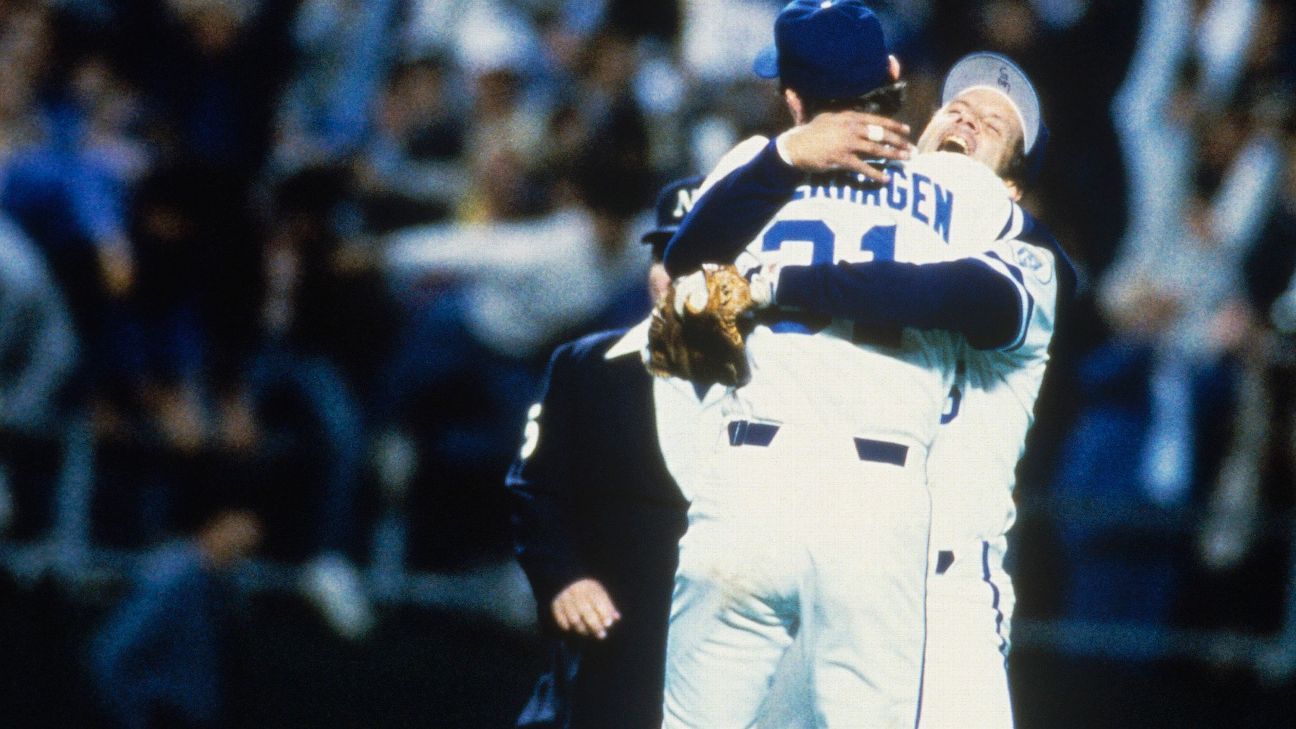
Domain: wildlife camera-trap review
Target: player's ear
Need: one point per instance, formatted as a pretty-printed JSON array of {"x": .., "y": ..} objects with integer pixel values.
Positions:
[
  {"x": 795, "y": 105},
  {"x": 893, "y": 66}
]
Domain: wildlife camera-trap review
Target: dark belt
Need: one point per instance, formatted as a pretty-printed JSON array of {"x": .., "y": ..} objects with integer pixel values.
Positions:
[
  {"x": 944, "y": 560},
  {"x": 746, "y": 432},
  {"x": 881, "y": 451}
]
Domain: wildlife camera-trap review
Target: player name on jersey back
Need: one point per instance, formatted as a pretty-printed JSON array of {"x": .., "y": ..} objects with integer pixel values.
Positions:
[{"x": 926, "y": 201}]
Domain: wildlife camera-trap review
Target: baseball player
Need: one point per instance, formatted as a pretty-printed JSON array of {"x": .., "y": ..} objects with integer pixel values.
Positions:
[
  {"x": 971, "y": 469},
  {"x": 991, "y": 113},
  {"x": 597, "y": 518},
  {"x": 812, "y": 519}
]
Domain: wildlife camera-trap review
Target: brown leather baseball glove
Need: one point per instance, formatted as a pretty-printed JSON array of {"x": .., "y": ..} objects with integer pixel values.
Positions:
[{"x": 699, "y": 329}]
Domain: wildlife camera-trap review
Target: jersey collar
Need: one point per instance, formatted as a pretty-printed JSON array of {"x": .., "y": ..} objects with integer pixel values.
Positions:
[{"x": 633, "y": 341}]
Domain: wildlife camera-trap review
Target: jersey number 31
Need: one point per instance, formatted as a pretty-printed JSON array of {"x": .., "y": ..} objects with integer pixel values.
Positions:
[{"x": 879, "y": 240}]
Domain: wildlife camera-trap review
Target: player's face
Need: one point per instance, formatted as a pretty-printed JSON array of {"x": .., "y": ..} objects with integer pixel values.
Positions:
[{"x": 979, "y": 123}]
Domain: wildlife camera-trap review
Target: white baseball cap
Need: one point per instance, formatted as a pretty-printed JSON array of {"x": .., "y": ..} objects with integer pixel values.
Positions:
[{"x": 995, "y": 72}]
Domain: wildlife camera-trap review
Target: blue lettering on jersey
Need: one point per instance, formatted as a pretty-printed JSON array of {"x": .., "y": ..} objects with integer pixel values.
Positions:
[
  {"x": 881, "y": 241},
  {"x": 926, "y": 201},
  {"x": 944, "y": 212},
  {"x": 955, "y": 397},
  {"x": 871, "y": 195},
  {"x": 918, "y": 195},
  {"x": 815, "y": 232},
  {"x": 821, "y": 240},
  {"x": 896, "y": 194},
  {"x": 952, "y": 403}
]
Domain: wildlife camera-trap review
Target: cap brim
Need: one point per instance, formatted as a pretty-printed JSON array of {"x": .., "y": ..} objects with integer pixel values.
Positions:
[
  {"x": 658, "y": 236},
  {"x": 994, "y": 71},
  {"x": 766, "y": 64}
]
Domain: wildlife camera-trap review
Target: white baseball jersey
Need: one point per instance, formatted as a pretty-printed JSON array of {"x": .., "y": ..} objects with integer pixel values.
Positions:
[
  {"x": 940, "y": 206},
  {"x": 971, "y": 475},
  {"x": 794, "y": 529},
  {"x": 972, "y": 464}
]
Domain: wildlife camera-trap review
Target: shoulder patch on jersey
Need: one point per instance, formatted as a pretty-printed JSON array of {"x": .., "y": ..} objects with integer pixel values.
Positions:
[{"x": 1030, "y": 260}]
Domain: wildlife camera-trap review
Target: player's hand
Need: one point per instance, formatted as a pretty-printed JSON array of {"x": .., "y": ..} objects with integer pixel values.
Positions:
[
  {"x": 585, "y": 608},
  {"x": 762, "y": 282},
  {"x": 699, "y": 329},
  {"x": 691, "y": 293},
  {"x": 843, "y": 140}
]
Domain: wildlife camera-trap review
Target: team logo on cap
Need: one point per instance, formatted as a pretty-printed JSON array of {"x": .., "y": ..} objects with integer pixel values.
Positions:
[
  {"x": 684, "y": 200},
  {"x": 1003, "y": 78}
]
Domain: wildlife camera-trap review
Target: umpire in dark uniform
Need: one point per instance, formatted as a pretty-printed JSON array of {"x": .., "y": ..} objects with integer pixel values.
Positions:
[{"x": 597, "y": 520}]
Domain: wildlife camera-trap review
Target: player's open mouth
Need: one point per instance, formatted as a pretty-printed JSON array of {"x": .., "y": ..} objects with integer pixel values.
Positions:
[{"x": 955, "y": 143}]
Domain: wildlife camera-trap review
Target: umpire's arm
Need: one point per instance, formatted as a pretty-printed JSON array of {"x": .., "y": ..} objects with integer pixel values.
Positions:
[{"x": 543, "y": 495}]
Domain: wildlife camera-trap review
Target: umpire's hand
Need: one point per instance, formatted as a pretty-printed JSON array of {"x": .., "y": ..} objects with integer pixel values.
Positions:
[
  {"x": 585, "y": 608},
  {"x": 843, "y": 140}
]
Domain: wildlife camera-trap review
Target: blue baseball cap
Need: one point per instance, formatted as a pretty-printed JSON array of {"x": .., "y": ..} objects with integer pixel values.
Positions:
[
  {"x": 827, "y": 49},
  {"x": 673, "y": 203},
  {"x": 994, "y": 71}
]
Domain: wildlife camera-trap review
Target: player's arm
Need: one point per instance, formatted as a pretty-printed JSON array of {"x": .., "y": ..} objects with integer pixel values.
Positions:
[
  {"x": 735, "y": 202},
  {"x": 759, "y": 176},
  {"x": 544, "y": 508},
  {"x": 1001, "y": 299},
  {"x": 964, "y": 296},
  {"x": 1049, "y": 281}
]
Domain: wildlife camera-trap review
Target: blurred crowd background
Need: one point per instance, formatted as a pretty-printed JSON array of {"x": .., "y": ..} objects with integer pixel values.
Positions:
[{"x": 278, "y": 280}]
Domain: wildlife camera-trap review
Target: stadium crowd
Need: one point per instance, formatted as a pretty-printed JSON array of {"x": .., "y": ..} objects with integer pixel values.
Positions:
[{"x": 294, "y": 268}]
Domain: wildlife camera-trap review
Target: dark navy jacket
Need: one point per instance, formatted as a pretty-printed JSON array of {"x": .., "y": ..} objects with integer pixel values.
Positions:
[{"x": 594, "y": 499}]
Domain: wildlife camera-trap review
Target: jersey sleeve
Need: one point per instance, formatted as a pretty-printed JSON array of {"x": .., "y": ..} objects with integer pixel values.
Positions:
[
  {"x": 746, "y": 189},
  {"x": 1034, "y": 271},
  {"x": 540, "y": 488},
  {"x": 1000, "y": 295},
  {"x": 983, "y": 304},
  {"x": 1029, "y": 262}
]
